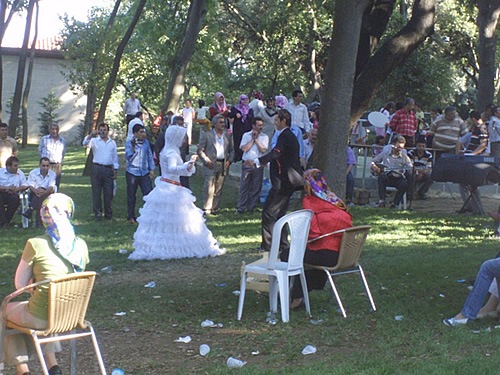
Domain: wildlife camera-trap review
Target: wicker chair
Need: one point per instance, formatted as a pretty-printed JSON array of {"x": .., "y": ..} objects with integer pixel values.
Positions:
[
  {"x": 68, "y": 300},
  {"x": 353, "y": 240}
]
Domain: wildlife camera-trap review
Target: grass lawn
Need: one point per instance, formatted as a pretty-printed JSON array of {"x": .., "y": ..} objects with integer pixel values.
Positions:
[{"x": 412, "y": 261}]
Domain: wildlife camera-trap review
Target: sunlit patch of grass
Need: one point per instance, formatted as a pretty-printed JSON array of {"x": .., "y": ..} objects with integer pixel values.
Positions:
[{"x": 412, "y": 261}]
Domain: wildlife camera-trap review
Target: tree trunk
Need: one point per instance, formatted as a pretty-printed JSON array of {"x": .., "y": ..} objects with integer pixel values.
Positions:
[
  {"x": 375, "y": 20},
  {"x": 117, "y": 60},
  {"x": 487, "y": 19},
  {"x": 21, "y": 68},
  {"x": 331, "y": 152},
  {"x": 314, "y": 75},
  {"x": 197, "y": 11},
  {"x": 392, "y": 54},
  {"x": 4, "y": 23},
  {"x": 29, "y": 76}
]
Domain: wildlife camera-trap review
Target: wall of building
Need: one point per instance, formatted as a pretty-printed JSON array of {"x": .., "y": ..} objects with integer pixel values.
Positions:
[{"x": 47, "y": 76}]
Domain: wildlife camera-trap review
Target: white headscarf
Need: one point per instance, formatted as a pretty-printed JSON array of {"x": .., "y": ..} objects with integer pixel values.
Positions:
[{"x": 174, "y": 136}]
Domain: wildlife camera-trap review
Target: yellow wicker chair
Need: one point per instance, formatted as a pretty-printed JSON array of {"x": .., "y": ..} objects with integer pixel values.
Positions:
[
  {"x": 68, "y": 300},
  {"x": 353, "y": 240}
]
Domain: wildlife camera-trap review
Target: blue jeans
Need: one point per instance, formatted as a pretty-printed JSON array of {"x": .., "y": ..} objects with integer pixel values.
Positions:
[
  {"x": 133, "y": 182},
  {"x": 488, "y": 271}
]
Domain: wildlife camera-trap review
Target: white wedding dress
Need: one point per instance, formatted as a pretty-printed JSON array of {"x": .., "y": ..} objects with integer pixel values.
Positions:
[{"x": 170, "y": 225}]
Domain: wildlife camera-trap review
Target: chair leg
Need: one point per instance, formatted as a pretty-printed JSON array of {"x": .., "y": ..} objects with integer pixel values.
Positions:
[
  {"x": 273, "y": 293},
  {"x": 40, "y": 354},
  {"x": 241, "y": 300},
  {"x": 283, "y": 286},
  {"x": 98, "y": 352},
  {"x": 305, "y": 292},
  {"x": 72, "y": 345},
  {"x": 334, "y": 290},
  {"x": 365, "y": 283}
]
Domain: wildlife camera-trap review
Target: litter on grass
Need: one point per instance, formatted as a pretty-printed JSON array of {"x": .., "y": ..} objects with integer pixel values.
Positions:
[
  {"x": 235, "y": 363},
  {"x": 309, "y": 349},
  {"x": 185, "y": 339}
]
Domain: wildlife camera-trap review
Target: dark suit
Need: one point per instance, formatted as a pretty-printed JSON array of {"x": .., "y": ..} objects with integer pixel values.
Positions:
[
  {"x": 286, "y": 177},
  {"x": 214, "y": 175}
]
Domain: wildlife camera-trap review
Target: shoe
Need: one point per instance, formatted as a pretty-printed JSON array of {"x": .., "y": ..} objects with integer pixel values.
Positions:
[
  {"x": 494, "y": 215},
  {"x": 381, "y": 204},
  {"x": 452, "y": 322},
  {"x": 239, "y": 212},
  {"x": 132, "y": 221},
  {"x": 98, "y": 217},
  {"x": 214, "y": 213},
  {"x": 55, "y": 370}
]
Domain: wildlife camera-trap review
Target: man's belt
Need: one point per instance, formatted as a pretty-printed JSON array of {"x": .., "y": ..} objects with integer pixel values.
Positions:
[
  {"x": 103, "y": 165},
  {"x": 220, "y": 160}
]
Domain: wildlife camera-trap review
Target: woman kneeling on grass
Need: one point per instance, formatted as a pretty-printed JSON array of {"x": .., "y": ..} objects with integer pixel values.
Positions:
[
  {"x": 489, "y": 271},
  {"x": 330, "y": 215},
  {"x": 57, "y": 253}
]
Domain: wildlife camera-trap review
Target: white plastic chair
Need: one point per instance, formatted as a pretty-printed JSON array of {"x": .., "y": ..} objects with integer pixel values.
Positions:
[
  {"x": 391, "y": 188},
  {"x": 279, "y": 272},
  {"x": 24, "y": 198}
]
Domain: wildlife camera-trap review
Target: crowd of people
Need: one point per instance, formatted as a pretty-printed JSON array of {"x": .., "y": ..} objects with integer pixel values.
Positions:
[{"x": 257, "y": 133}]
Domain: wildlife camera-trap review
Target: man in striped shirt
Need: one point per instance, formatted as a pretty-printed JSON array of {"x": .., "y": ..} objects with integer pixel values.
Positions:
[{"x": 447, "y": 131}]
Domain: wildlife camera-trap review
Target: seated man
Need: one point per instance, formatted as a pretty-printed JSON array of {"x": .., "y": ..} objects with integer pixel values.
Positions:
[
  {"x": 422, "y": 162},
  {"x": 392, "y": 168},
  {"x": 473, "y": 143},
  {"x": 42, "y": 183},
  {"x": 12, "y": 182}
]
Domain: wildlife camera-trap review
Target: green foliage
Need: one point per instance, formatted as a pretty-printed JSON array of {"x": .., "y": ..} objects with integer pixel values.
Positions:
[{"x": 50, "y": 104}]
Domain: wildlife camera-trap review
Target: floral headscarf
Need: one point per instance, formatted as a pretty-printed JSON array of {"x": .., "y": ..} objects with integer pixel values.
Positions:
[
  {"x": 315, "y": 184},
  {"x": 243, "y": 108},
  {"x": 219, "y": 107},
  {"x": 56, "y": 213}
]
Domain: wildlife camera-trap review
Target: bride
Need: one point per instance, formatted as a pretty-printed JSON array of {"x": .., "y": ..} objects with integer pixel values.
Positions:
[{"x": 170, "y": 225}]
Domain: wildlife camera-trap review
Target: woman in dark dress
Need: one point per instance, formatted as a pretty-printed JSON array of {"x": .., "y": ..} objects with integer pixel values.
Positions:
[{"x": 241, "y": 115}]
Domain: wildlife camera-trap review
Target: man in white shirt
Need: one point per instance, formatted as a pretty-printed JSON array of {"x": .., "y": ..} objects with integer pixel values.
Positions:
[
  {"x": 254, "y": 144},
  {"x": 104, "y": 169},
  {"x": 131, "y": 107},
  {"x": 12, "y": 182},
  {"x": 298, "y": 110},
  {"x": 188, "y": 113},
  {"x": 53, "y": 147},
  {"x": 42, "y": 183}
]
